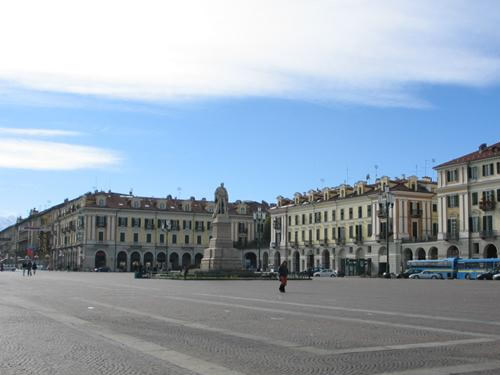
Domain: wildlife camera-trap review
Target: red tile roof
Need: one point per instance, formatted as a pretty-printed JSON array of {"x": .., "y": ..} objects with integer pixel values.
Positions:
[{"x": 486, "y": 153}]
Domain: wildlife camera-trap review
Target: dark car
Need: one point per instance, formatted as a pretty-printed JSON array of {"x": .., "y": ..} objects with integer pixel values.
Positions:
[
  {"x": 102, "y": 269},
  {"x": 486, "y": 275},
  {"x": 406, "y": 274}
]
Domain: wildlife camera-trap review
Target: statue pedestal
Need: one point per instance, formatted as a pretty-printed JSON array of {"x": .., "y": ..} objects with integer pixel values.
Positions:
[{"x": 220, "y": 255}]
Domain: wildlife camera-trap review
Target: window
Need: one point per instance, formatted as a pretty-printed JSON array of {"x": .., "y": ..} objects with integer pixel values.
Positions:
[
  {"x": 186, "y": 224},
  {"x": 296, "y": 237},
  {"x": 452, "y": 175},
  {"x": 122, "y": 221},
  {"x": 488, "y": 170},
  {"x": 296, "y": 219},
  {"x": 101, "y": 203},
  {"x": 162, "y": 205},
  {"x": 303, "y": 236},
  {"x": 149, "y": 223},
  {"x": 162, "y": 238},
  {"x": 476, "y": 247},
  {"x": 174, "y": 224},
  {"x": 310, "y": 218},
  {"x": 350, "y": 213},
  {"x": 333, "y": 215},
  {"x": 100, "y": 221},
  {"x": 325, "y": 233},
  {"x": 310, "y": 234},
  {"x": 289, "y": 220},
  {"x": 198, "y": 240},
  {"x": 369, "y": 249},
  {"x": 325, "y": 216},
  {"x": 498, "y": 167},
  {"x": 148, "y": 238},
  {"x": 209, "y": 225},
  {"x": 289, "y": 236},
  {"x": 360, "y": 212},
  {"x": 498, "y": 195},
  {"x": 318, "y": 235},
  {"x": 435, "y": 229},
  {"x": 136, "y": 204},
  {"x": 303, "y": 219},
  {"x": 136, "y": 237},
  {"x": 333, "y": 233},
  {"x": 474, "y": 224},
  {"x": 186, "y": 239},
  {"x": 475, "y": 199},
  {"x": 101, "y": 236},
  {"x": 434, "y": 208},
  {"x": 452, "y": 201},
  {"x": 350, "y": 231},
  {"x": 488, "y": 223},
  {"x": 369, "y": 210},
  {"x": 472, "y": 173},
  {"x": 452, "y": 226},
  {"x": 174, "y": 238},
  {"x": 136, "y": 222},
  {"x": 122, "y": 237},
  {"x": 342, "y": 214},
  {"x": 370, "y": 230}
]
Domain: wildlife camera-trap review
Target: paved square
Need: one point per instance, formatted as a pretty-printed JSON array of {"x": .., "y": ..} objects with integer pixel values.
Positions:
[{"x": 84, "y": 323}]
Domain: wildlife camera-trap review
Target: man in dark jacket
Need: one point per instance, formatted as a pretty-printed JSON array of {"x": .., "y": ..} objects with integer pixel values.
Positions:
[{"x": 283, "y": 274}]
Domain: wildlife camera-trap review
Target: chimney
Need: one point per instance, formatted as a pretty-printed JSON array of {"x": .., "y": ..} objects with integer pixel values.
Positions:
[{"x": 482, "y": 147}]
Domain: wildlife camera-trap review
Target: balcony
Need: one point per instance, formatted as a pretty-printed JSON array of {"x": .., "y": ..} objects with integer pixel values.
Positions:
[
  {"x": 294, "y": 244},
  {"x": 199, "y": 229},
  {"x": 358, "y": 240},
  {"x": 340, "y": 241},
  {"x": 488, "y": 205},
  {"x": 488, "y": 234},
  {"x": 273, "y": 245},
  {"x": 308, "y": 243},
  {"x": 451, "y": 236},
  {"x": 416, "y": 213},
  {"x": 382, "y": 214},
  {"x": 323, "y": 243},
  {"x": 277, "y": 225},
  {"x": 242, "y": 230}
]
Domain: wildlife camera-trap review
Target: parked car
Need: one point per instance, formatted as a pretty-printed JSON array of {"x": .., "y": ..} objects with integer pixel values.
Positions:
[
  {"x": 426, "y": 275},
  {"x": 486, "y": 275},
  {"x": 102, "y": 269},
  {"x": 8, "y": 267},
  {"x": 496, "y": 276},
  {"x": 325, "y": 273},
  {"x": 406, "y": 274}
]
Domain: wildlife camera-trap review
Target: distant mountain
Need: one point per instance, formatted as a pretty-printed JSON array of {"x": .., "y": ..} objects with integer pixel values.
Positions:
[{"x": 6, "y": 221}]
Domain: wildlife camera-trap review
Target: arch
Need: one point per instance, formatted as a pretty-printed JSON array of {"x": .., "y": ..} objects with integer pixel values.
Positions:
[
  {"x": 277, "y": 259},
  {"x": 186, "y": 260},
  {"x": 250, "y": 260},
  {"x": 407, "y": 255},
  {"x": 360, "y": 253},
  {"x": 453, "y": 252},
  {"x": 135, "y": 261},
  {"x": 197, "y": 259},
  {"x": 420, "y": 254},
  {"x": 265, "y": 261},
  {"x": 161, "y": 260},
  {"x": 382, "y": 252},
  {"x": 433, "y": 253},
  {"x": 148, "y": 260},
  {"x": 121, "y": 261},
  {"x": 490, "y": 251},
  {"x": 325, "y": 258},
  {"x": 174, "y": 261},
  {"x": 100, "y": 259},
  {"x": 296, "y": 262}
]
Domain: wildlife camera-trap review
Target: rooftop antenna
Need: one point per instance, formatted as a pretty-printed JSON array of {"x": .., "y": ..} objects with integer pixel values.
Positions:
[
  {"x": 179, "y": 189},
  {"x": 368, "y": 178},
  {"x": 376, "y": 171}
]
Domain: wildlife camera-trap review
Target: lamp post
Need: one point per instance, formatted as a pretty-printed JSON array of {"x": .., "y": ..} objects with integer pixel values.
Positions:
[
  {"x": 386, "y": 200},
  {"x": 259, "y": 217},
  {"x": 166, "y": 228}
]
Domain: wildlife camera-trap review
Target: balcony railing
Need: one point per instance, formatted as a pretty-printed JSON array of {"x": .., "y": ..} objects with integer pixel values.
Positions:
[
  {"x": 199, "y": 229},
  {"x": 488, "y": 234},
  {"x": 340, "y": 241},
  {"x": 294, "y": 244},
  {"x": 358, "y": 239},
  {"x": 242, "y": 230},
  {"x": 416, "y": 213},
  {"x": 273, "y": 245},
  {"x": 277, "y": 225},
  {"x": 451, "y": 236},
  {"x": 308, "y": 243},
  {"x": 323, "y": 242},
  {"x": 382, "y": 213},
  {"x": 488, "y": 205}
]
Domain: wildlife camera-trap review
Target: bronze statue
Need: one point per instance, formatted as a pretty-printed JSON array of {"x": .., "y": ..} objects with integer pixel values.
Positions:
[{"x": 221, "y": 202}]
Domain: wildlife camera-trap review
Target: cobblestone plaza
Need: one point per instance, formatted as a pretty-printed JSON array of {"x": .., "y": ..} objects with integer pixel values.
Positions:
[{"x": 91, "y": 323}]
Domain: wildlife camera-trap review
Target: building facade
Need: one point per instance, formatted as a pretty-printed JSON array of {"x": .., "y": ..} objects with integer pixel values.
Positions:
[
  {"x": 345, "y": 227},
  {"x": 124, "y": 232}
]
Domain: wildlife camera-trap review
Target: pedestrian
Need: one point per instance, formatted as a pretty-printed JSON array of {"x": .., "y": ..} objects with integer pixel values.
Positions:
[
  {"x": 25, "y": 266},
  {"x": 34, "y": 267},
  {"x": 283, "y": 274},
  {"x": 29, "y": 267}
]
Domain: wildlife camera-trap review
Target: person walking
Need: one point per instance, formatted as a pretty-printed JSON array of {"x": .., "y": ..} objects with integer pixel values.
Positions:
[
  {"x": 283, "y": 274},
  {"x": 34, "y": 267},
  {"x": 25, "y": 266},
  {"x": 29, "y": 267}
]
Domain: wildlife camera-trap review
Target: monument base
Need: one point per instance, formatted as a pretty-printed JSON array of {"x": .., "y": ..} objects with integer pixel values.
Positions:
[{"x": 221, "y": 260}]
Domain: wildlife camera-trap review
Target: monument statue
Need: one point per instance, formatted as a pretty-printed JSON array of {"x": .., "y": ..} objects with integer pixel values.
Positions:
[
  {"x": 221, "y": 202},
  {"x": 220, "y": 254}
]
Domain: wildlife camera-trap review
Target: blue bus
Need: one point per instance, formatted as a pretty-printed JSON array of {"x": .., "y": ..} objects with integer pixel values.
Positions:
[
  {"x": 471, "y": 268},
  {"x": 446, "y": 267}
]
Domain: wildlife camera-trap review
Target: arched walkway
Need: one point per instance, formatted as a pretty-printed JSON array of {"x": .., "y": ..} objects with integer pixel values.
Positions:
[
  {"x": 197, "y": 259},
  {"x": 490, "y": 251},
  {"x": 100, "y": 259},
  {"x": 453, "y": 252},
  {"x": 265, "y": 261},
  {"x": 161, "y": 259},
  {"x": 250, "y": 260},
  {"x": 382, "y": 260},
  {"x": 277, "y": 259},
  {"x": 310, "y": 260},
  {"x": 325, "y": 259},
  {"x": 148, "y": 260},
  {"x": 186, "y": 260},
  {"x": 121, "y": 261},
  {"x": 174, "y": 261},
  {"x": 420, "y": 254},
  {"x": 340, "y": 260},
  {"x": 433, "y": 253},
  {"x": 135, "y": 261},
  {"x": 296, "y": 262}
]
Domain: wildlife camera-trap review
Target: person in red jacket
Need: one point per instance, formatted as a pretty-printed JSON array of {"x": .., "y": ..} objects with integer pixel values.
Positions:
[{"x": 283, "y": 274}]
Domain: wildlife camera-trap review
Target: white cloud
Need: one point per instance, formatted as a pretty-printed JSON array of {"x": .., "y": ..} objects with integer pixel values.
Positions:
[
  {"x": 31, "y": 132},
  {"x": 371, "y": 52},
  {"x": 42, "y": 155}
]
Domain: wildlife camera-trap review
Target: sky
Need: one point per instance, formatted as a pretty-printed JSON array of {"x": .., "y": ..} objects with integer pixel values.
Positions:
[{"x": 269, "y": 97}]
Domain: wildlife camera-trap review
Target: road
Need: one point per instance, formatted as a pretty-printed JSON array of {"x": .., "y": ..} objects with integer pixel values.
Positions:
[{"x": 97, "y": 323}]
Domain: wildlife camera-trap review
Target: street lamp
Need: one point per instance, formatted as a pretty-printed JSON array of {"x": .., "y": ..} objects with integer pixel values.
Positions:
[
  {"x": 386, "y": 200},
  {"x": 166, "y": 227},
  {"x": 258, "y": 218}
]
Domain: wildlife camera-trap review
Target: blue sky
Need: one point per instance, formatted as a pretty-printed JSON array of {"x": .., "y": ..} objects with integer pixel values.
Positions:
[{"x": 268, "y": 110}]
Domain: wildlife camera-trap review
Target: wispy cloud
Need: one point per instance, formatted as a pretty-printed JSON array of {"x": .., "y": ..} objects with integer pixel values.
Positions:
[
  {"x": 361, "y": 51},
  {"x": 38, "y": 132},
  {"x": 43, "y": 155}
]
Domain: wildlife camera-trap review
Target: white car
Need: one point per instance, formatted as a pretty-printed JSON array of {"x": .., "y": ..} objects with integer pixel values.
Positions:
[
  {"x": 496, "y": 277},
  {"x": 426, "y": 275},
  {"x": 325, "y": 273}
]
